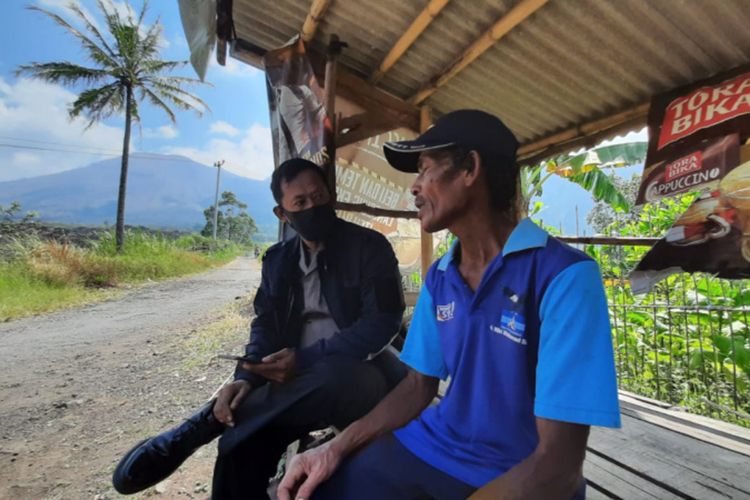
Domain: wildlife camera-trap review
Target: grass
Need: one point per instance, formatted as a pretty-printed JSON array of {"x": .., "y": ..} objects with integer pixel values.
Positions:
[
  {"x": 40, "y": 276},
  {"x": 22, "y": 294},
  {"x": 228, "y": 333}
]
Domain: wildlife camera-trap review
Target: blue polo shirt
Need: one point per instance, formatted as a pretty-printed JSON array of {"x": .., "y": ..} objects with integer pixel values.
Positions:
[{"x": 532, "y": 341}]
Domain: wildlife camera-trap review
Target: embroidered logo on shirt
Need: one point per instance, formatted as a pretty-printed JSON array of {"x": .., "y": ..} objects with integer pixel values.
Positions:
[
  {"x": 512, "y": 327},
  {"x": 445, "y": 313}
]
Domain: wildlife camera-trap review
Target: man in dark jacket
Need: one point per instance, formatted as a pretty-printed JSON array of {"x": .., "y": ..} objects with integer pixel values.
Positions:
[{"x": 329, "y": 303}]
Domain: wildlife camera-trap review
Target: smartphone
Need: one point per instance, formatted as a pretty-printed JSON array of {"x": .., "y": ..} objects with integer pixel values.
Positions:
[{"x": 233, "y": 357}]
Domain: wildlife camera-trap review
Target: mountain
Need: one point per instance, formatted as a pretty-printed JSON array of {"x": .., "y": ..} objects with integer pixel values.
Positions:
[{"x": 164, "y": 191}]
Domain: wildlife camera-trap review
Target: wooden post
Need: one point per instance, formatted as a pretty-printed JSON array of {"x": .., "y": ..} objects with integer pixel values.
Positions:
[
  {"x": 334, "y": 49},
  {"x": 425, "y": 120}
]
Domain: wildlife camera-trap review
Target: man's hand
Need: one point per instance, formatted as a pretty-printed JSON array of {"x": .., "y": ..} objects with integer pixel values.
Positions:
[
  {"x": 229, "y": 398},
  {"x": 278, "y": 367},
  {"x": 307, "y": 471}
]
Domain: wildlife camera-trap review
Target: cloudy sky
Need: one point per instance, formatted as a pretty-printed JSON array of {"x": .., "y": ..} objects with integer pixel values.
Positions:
[{"x": 37, "y": 137}]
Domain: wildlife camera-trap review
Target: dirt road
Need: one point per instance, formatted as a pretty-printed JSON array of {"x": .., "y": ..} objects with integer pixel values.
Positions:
[{"x": 79, "y": 387}]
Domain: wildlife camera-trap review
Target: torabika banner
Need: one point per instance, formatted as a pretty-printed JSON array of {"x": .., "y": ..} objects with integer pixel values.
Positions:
[
  {"x": 690, "y": 128},
  {"x": 712, "y": 236}
]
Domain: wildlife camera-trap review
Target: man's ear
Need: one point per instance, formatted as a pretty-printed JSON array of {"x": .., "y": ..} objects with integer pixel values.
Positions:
[
  {"x": 472, "y": 172},
  {"x": 278, "y": 212}
]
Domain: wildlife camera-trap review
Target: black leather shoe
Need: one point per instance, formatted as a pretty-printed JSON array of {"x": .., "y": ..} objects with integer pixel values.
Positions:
[{"x": 153, "y": 460}]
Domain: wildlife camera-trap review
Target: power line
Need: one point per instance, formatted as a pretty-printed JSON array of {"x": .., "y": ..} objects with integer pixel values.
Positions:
[
  {"x": 37, "y": 141},
  {"x": 150, "y": 156}
]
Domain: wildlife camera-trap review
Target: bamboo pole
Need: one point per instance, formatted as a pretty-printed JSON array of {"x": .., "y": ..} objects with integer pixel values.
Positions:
[
  {"x": 498, "y": 30},
  {"x": 425, "y": 121},
  {"x": 310, "y": 26},
  {"x": 416, "y": 28}
]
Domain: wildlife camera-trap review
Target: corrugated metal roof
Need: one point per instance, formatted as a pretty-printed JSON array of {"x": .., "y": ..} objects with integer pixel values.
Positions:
[{"x": 570, "y": 62}]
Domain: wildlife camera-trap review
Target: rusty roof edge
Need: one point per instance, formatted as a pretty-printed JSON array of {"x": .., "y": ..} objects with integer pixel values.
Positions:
[{"x": 584, "y": 135}]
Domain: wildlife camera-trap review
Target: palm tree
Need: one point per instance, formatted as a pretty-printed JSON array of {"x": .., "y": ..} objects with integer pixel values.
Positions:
[{"x": 126, "y": 69}]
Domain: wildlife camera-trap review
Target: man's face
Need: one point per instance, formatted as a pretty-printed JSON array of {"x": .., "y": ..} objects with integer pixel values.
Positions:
[
  {"x": 304, "y": 191},
  {"x": 439, "y": 193}
]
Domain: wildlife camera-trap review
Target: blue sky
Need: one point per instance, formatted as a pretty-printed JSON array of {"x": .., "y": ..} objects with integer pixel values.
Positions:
[
  {"x": 33, "y": 115},
  {"x": 37, "y": 138}
]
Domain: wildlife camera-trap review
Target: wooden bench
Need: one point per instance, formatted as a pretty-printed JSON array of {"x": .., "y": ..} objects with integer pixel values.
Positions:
[{"x": 667, "y": 454}]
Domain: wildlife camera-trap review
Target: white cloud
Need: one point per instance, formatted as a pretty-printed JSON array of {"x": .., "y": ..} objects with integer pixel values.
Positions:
[
  {"x": 37, "y": 136},
  {"x": 232, "y": 68},
  {"x": 24, "y": 159},
  {"x": 163, "y": 132},
  {"x": 222, "y": 127},
  {"x": 250, "y": 156}
]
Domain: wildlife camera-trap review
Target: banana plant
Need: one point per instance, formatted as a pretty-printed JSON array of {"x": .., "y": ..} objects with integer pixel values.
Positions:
[{"x": 589, "y": 169}]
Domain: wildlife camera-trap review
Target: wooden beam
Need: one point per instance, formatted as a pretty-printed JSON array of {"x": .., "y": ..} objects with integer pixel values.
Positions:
[
  {"x": 427, "y": 242},
  {"x": 584, "y": 135},
  {"x": 399, "y": 112},
  {"x": 310, "y": 26},
  {"x": 378, "y": 102},
  {"x": 334, "y": 50},
  {"x": 498, "y": 30},
  {"x": 361, "y": 126},
  {"x": 377, "y": 212},
  {"x": 606, "y": 240},
  {"x": 416, "y": 28},
  {"x": 249, "y": 53}
]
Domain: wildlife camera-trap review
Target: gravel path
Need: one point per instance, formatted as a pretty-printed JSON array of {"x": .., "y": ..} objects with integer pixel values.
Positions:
[{"x": 79, "y": 387}]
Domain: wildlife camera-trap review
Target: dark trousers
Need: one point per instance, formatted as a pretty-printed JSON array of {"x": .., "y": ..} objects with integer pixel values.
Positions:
[
  {"x": 335, "y": 391},
  {"x": 386, "y": 469}
]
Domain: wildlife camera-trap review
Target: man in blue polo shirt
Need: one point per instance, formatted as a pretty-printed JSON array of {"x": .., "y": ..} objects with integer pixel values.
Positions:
[{"x": 514, "y": 318}]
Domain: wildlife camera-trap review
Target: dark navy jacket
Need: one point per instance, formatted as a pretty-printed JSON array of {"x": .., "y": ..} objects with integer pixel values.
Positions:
[{"x": 360, "y": 281}]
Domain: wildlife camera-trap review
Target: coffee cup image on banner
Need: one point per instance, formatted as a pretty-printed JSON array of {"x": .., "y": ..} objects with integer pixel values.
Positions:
[{"x": 698, "y": 170}]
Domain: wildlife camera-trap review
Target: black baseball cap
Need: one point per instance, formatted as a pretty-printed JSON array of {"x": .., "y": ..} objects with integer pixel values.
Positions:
[{"x": 468, "y": 128}]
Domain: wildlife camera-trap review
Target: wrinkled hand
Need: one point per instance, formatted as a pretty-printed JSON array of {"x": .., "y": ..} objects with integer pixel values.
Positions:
[
  {"x": 278, "y": 367},
  {"x": 307, "y": 470},
  {"x": 229, "y": 398}
]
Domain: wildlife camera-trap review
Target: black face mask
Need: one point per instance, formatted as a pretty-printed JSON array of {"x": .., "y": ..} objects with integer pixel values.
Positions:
[{"x": 313, "y": 224}]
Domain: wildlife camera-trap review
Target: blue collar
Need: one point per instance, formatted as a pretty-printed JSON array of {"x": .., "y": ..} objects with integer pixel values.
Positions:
[{"x": 525, "y": 235}]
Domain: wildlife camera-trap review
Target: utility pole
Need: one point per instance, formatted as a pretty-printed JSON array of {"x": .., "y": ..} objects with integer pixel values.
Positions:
[{"x": 218, "y": 165}]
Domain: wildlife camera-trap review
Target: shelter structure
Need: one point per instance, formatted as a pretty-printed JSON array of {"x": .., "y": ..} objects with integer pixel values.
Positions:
[{"x": 562, "y": 74}]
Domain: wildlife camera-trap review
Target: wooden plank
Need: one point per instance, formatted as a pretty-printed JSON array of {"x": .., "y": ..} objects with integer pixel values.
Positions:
[
  {"x": 426, "y": 239},
  {"x": 502, "y": 26},
  {"x": 592, "y": 493},
  {"x": 411, "y": 298},
  {"x": 613, "y": 481},
  {"x": 713, "y": 431},
  {"x": 689, "y": 429},
  {"x": 378, "y": 212},
  {"x": 607, "y": 240},
  {"x": 316, "y": 13},
  {"x": 692, "y": 468},
  {"x": 415, "y": 29}
]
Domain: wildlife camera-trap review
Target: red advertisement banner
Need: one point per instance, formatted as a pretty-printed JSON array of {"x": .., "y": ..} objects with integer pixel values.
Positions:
[{"x": 704, "y": 108}]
